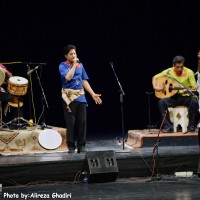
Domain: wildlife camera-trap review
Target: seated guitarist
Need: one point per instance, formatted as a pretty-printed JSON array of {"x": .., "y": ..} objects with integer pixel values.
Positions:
[{"x": 184, "y": 97}]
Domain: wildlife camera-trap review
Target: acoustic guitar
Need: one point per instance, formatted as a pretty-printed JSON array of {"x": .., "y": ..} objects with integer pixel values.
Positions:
[{"x": 170, "y": 87}]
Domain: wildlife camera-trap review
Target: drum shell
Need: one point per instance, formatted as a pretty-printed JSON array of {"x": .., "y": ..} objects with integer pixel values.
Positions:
[{"x": 18, "y": 89}]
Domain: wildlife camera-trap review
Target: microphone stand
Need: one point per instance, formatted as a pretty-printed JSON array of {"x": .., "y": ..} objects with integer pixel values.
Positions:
[
  {"x": 29, "y": 77},
  {"x": 121, "y": 101},
  {"x": 33, "y": 63},
  {"x": 149, "y": 109},
  {"x": 29, "y": 93},
  {"x": 43, "y": 100},
  {"x": 155, "y": 150}
]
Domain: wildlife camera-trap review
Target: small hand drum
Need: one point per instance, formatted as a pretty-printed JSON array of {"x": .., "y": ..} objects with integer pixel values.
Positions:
[
  {"x": 17, "y": 85},
  {"x": 50, "y": 139}
]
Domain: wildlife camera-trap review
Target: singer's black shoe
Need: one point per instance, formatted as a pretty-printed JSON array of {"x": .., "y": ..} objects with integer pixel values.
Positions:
[
  {"x": 168, "y": 130},
  {"x": 71, "y": 150},
  {"x": 81, "y": 149}
]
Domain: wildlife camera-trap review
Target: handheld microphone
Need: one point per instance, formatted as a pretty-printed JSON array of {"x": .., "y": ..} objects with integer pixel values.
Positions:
[
  {"x": 32, "y": 70},
  {"x": 77, "y": 60}
]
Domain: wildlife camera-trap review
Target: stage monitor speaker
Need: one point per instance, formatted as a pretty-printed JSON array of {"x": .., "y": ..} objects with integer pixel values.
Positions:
[{"x": 100, "y": 166}]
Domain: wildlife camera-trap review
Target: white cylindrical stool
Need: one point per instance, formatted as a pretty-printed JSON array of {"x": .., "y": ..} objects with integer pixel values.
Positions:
[{"x": 180, "y": 117}]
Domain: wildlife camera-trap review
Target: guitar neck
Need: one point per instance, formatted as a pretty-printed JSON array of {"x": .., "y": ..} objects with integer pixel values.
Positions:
[
  {"x": 176, "y": 88},
  {"x": 181, "y": 88}
]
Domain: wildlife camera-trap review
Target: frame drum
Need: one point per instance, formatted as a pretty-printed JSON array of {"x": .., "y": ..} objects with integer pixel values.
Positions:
[
  {"x": 2, "y": 76},
  {"x": 17, "y": 85},
  {"x": 50, "y": 139}
]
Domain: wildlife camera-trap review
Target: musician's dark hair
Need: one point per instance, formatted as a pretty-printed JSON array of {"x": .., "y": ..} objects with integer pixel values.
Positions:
[
  {"x": 68, "y": 48},
  {"x": 178, "y": 59}
]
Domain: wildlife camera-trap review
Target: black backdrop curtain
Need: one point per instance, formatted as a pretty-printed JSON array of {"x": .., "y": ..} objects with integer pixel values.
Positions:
[{"x": 140, "y": 38}]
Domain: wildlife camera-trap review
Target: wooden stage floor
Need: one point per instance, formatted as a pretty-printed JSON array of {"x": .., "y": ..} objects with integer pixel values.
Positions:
[
  {"x": 170, "y": 157},
  {"x": 153, "y": 161}
]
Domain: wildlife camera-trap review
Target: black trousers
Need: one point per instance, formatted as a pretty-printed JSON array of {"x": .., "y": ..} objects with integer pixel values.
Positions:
[
  {"x": 179, "y": 100},
  {"x": 5, "y": 97},
  {"x": 13, "y": 111},
  {"x": 76, "y": 123}
]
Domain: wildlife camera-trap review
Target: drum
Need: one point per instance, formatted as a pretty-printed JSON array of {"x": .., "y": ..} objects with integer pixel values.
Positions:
[
  {"x": 15, "y": 101},
  {"x": 2, "y": 76},
  {"x": 50, "y": 139},
  {"x": 17, "y": 85}
]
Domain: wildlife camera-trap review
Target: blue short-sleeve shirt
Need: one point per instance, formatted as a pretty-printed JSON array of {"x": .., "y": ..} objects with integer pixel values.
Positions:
[{"x": 76, "y": 81}]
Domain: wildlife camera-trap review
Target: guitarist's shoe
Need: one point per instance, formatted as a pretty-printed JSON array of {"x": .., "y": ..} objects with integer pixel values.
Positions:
[
  {"x": 191, "y": 129},
  {"x": 168, "y": 130}
]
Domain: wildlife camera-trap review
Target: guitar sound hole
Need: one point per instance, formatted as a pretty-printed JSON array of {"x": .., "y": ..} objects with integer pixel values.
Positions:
[{"x": 170, "y": 87}]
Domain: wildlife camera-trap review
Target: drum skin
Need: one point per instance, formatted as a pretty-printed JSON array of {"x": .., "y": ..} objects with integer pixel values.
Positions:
[{"x": 50, "y": 139}]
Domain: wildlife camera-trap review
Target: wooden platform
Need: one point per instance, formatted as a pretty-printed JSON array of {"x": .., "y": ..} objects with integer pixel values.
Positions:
[
  {"x": 17, "y": 142},
  {"x": 23, "y": 164},
  {"x": 147, "y": 138}
]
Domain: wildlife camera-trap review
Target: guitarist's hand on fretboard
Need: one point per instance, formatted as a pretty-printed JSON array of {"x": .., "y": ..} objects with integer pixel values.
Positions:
[{"x": 185, "y": 91}]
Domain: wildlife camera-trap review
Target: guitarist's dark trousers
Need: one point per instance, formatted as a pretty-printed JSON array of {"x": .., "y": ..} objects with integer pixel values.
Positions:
[{"x": 179, "y": 100}]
